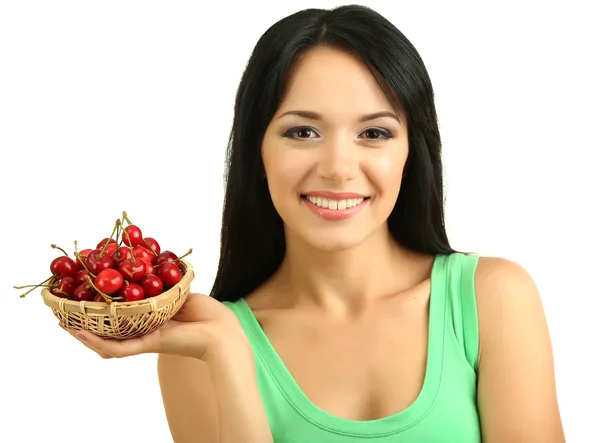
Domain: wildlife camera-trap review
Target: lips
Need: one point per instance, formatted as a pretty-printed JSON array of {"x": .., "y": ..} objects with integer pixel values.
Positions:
[
  {"x": 334, "y": 210},
  {"x": 335, "y": 195}
]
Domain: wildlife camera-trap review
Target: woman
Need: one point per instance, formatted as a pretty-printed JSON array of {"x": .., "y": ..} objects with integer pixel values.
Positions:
[{"x": 340, "y": 312}]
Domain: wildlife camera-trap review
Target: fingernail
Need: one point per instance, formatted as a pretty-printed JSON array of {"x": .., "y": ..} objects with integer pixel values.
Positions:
[{"x": 81, "y": 337}]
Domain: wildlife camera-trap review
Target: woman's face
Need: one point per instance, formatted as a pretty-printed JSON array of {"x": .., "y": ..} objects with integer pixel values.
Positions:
[{"x": 334, "y": 152}]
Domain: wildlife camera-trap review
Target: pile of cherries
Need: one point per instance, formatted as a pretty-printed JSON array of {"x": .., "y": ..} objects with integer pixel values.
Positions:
[{"x": 124, "y": 267}]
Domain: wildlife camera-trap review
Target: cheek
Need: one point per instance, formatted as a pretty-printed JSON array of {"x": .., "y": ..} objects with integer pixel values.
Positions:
[
  {"x": 285, "y": 170},
  {"x": 385, "y": 172}
]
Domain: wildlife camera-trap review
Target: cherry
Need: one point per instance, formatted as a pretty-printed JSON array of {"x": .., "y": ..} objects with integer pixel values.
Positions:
[
  {"x": 63, "y": 266},
  {"x": 149, "y": 267},
  {"x": 104, "y": 242},
  {"x": 82, "y": 276},
  {"x": 165, "y": 256},
  {"x": 110, "y": 249},
  {"x": 152, "y": 285},
  {"x": 99, "y": 298},
  {"x": 109, "y": 240},
  {"x": 121, "y": 254},
  {"x": 152, "y": 245},
  {"x": 168, "y": 256},
  {"x": 131, "y": 291},
  {"x": 142, "y": 252},
  {"x": 133, "y": 236},
  {"x": 85, "y": 292},
  {"x": 64, "y": 288},
  {"x": 96, "y": 261},
  {"x": 83, "y": 254},
  {"x": 132, "y": 271},
  {"x": 169, "y": 273},
  {"x": 109, "y": 281}
]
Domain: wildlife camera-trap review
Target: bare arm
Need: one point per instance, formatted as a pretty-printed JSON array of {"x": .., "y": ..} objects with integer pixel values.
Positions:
[
  {"x": 212, "y": 404},
  {"x": 188, "y": 398},
  {"x": 206, "y": 371},
  {"x": 517, "y": 391}
]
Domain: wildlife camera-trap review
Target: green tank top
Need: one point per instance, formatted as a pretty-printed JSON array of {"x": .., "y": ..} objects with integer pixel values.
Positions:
[{"x": 444, "y": 411}]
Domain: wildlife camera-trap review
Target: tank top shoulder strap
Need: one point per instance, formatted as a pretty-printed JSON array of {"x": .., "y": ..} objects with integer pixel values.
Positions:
[{"x": 462, "y": 304}]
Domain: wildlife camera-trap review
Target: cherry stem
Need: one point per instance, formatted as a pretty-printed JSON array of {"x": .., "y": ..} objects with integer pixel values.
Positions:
[
  {"x": 106, "y": 297},
  {"x": 78, "y": 256},
  {"x": 125, "y": 218},
  {"x": 149, "y": 247},
  {"x": 129, "y": 240},
  {"x": 186, "y": 254},
  {"x": 178, "y": 258},
  {"x": 59, "y": 248},
  {"x": 109, "y": 238},
  {"x": 117, "y": 239},
  {"x": 63, "y": 293},
  {"x": 34, "y": 286}
]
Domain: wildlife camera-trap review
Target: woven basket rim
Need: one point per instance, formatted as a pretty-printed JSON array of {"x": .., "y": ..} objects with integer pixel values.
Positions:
[{"x": 114, "y": 309}]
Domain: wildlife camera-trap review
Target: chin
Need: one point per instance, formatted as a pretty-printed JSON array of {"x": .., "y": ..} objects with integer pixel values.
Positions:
[{"x": 333, "y": 241}]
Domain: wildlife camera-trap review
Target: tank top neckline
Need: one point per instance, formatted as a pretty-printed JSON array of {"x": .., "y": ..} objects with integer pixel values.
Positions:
[{"x": 391, "y": 424}]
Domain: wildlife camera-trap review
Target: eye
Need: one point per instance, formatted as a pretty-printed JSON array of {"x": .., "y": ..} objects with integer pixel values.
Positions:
[
  {"x": 301, "y": 132},
  {"x": 377, "y": 134}
]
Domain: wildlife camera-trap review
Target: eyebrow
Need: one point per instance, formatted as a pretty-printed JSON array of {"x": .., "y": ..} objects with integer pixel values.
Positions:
[{"x": 365, "y": 118}]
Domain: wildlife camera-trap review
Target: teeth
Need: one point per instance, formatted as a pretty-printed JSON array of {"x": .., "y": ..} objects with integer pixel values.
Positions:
[{"x": 334, "y": 204}]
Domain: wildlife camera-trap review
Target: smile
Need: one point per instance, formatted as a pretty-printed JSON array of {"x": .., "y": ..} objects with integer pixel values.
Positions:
[{"x": 330, "y": 209}]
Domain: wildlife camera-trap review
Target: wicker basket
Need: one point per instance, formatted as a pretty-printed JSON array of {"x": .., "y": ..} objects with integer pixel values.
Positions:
[{"x": 122, "y": 320}]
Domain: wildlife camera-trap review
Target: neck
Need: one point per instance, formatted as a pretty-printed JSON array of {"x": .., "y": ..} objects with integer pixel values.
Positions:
[{"x": 346, "y": 280}]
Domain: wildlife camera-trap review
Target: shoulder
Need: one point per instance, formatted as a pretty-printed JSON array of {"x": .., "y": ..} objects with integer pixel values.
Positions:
[
  {"x": 508, "y": 303},
  {"x": 500, "y": 282},
  {"x": 516, "y": 381},
  {"x": 506, "y": 294},
  {"x": 492, "y": 271}
]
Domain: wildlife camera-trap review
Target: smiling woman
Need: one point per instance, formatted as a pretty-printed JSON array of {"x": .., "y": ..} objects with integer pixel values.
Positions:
[
  {"x": 336, "y": 147},
  {"x": 340, "y": 312}
]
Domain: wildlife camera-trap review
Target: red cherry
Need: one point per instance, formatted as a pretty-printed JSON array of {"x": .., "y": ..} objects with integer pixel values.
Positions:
[
  {"x": 82, "y": 276},
  {"x": 133, "y": 271},
  {"x": 64, "y": 288},
  {"x": 141, "y": 252},
  {"x": 121, "y": 254},
  {"x": 165, "y": 256},
  {"x": 83, "y": 255},
  {"x": 152, "y": 285},
  {"x": 110, "y": 249},
  {"x": 105, "y": 241},
  {"x": 169, "y": 273},
  {"x": 132, "y": 291},
  {"x": 63, "y": 267},
  {"x": 85, "y": 292},
  {"x": 152, "y": 244},
  {"x": 132, "y": 236},
  {"x": 149, "y": 267},
  {"x": 99, "y": 298},
  {"x": 96, "y": 262},
  {"x": 109, "y": 281}
]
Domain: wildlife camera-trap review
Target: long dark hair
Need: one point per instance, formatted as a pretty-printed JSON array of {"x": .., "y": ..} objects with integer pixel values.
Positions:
[{"x": 252, "y": 233}]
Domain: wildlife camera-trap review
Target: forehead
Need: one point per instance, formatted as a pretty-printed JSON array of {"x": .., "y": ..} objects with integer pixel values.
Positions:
[{"x": 329, "y": 80}]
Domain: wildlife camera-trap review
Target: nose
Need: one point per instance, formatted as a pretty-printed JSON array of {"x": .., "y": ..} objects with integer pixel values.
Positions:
[{"x": 338, "y": 161}]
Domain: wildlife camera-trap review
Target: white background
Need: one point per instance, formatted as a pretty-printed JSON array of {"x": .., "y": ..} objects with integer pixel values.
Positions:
[{"x": 127, "y": 105}]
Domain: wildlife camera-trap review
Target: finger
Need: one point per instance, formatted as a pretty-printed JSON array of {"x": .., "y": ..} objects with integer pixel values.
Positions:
[
  {"x": 147, "y": 343},
  {"x": 86, "y": 344}
]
